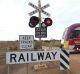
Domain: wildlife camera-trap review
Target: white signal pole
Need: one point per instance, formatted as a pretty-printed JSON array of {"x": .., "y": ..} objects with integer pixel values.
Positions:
[{"x": 39, "y": 6}]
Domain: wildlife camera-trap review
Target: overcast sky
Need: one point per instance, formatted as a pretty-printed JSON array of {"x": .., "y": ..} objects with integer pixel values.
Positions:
[{"x": 14, "y": 17}]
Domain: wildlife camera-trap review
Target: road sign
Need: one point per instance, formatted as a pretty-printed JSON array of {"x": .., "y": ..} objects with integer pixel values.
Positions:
[
  {"x": 39, "y": 9},
  {"x": 26, "y": 41},
  {"x": 40, "y": 32},
  {"x": 32, "y": 56}
]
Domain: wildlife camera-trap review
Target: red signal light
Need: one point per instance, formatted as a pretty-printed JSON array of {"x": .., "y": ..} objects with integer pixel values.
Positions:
[{"x": 48, "y": 21}]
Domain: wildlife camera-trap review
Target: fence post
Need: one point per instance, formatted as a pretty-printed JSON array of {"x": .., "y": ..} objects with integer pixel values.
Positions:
[{"x": 8, "y": 64}]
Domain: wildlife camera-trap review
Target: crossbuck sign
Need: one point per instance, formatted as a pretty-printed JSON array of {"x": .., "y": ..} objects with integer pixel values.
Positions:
[{"x": 39, "y": 9}]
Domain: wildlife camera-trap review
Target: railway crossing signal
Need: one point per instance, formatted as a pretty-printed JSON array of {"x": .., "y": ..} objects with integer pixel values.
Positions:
[{"x": 37, "y": 20}]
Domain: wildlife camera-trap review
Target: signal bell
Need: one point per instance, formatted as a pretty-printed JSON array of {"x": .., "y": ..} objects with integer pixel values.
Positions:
[{"x": 33, "y": 21}]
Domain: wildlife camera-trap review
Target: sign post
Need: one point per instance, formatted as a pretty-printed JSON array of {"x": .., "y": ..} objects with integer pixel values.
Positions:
[{"x": 8, "y": 64}]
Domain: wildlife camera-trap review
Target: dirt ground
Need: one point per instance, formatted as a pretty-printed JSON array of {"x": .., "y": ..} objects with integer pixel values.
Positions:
[{"x": 52, "y": 67}]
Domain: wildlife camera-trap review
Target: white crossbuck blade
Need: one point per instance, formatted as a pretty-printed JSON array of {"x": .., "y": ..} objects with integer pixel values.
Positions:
[{"x": 39, "y": 9}]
